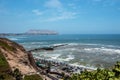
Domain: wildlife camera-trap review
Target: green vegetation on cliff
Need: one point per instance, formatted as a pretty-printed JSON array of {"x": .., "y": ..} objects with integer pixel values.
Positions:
[
  {"x": 6, "y": 46},
  {"x": 33, "y": 77},
  {"x": 3, "y": 64},
  {"x": 7, "y": 74},
  {"x": 5, "y": 71},
  {"x": 99, "y": 74}
]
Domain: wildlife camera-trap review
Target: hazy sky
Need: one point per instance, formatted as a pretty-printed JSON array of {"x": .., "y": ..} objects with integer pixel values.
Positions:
[{"x": 63, "y": 16}]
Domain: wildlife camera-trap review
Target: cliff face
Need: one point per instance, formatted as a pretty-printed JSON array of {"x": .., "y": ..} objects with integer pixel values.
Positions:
[{"x": 16, "y": 56}]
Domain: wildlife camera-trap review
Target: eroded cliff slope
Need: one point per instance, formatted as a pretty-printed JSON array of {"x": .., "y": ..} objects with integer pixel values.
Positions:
[{"x": 16, "y": 56}]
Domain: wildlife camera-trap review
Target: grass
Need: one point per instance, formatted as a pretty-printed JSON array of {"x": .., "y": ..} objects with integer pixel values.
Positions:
[
  {"x": 4, "y": 69},
  {"x": 6, "y": 46},
  {"x": 5, "y": 76},
  {"x": 33, "y": 77},
  {"x": 4, "y": 66}
]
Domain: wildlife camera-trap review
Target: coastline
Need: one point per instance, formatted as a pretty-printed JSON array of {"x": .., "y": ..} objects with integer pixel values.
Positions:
[
  {"x": 50, "y": 68},
  {"x": 89, "y": 50}
]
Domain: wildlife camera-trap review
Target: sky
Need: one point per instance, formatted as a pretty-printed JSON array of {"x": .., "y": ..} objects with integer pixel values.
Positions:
[{"x": 63, "y": 16}]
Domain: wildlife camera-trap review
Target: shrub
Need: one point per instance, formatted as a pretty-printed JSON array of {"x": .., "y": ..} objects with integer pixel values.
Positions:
[
  {"x": 99, "y": 74},
  {"x": 32, "y": 77}
]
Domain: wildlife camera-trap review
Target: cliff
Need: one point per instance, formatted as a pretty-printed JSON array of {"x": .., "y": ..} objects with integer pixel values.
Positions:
[{"x": 17, "y": 57}]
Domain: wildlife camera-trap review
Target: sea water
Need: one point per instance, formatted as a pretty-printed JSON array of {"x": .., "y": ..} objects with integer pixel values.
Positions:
[{"x": 98, "y": 50}]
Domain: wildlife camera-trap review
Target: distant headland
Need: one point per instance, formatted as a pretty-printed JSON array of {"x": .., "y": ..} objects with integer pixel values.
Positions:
[
  {"x": 32, "y": 32},
  {"x": 48, "y": 32}
]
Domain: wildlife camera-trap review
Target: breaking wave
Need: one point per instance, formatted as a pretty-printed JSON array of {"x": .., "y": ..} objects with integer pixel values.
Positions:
[
  {"x": 14, "y": 39},
  {"x": 103, "y": 50}
]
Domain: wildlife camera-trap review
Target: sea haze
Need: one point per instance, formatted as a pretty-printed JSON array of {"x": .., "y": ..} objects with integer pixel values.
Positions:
[{"x": 86, "y": 50}]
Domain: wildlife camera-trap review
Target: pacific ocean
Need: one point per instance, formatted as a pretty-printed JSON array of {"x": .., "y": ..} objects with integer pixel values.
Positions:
[{"x": 90, "y": 50}]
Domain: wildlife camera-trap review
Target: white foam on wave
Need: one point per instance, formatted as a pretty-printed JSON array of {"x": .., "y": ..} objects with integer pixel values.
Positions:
[
  {"x": 89, "y": 44},
  {"x": 76, "y": 64},
  {"x": 87, "y": 49},
  {"x": 55, "y": 56},
  {"x": 103, "y": 45},
  {"x": 13, "y": 39},
  {"x": 59, "y": 44},
  {"x": 85, "y": 44},
  {"x": 73, "y": 49},
  {"x": 112, "y": 50},
  {"x": 73, "y": 44},
  {"x": 69, "y": 57},
  {"x": 70, "y": 44},
  {"x": 22, "y": 37},
  {"x": 104, "y": 50},
  {"x": 36, "y": 43}
]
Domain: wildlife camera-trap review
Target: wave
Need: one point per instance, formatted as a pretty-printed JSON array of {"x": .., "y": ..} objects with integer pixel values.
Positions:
[
  {"x": 14, "y": 39},
  {"x": 103, "y": 50},
  {"x": 55, "y": 56},
  {"x": 51, "y": 56},
  {"x": 73, "y": 44},
  {"x": 59, "y": 44},
  {"x": 69, "y": 44},
  {"x": 22, "y": 37},
  {"x": 85, "y": 44},
  {"x": 86, "y": 67},
  {"x": 69, "y": 57},
  {"x": 37, "y": 43}
]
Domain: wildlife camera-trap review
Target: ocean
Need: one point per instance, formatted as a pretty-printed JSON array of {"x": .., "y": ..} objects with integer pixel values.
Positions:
[{"x": 94, "y": 50}]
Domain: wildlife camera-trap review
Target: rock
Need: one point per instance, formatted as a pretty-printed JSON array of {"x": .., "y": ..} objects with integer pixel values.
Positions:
[{"x": 44, "y": 48}]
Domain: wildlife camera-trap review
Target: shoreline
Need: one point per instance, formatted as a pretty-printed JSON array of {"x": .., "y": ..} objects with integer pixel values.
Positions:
[{"x": 60, "y": 65}]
